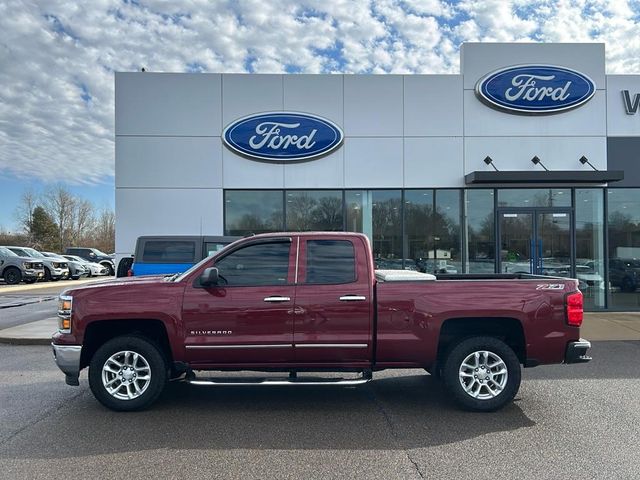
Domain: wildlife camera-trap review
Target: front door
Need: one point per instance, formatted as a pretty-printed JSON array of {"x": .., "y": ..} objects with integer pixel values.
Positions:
[
  {"x": 536, "y": 241},
  {"x": 248, "y": 317}
]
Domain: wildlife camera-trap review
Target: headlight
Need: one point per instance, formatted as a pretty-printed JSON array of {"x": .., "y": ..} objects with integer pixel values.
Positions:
[
  {"x": 55, "y": 265},
  {"x": 25, "y": 265},
  {"x": 65, "y": 303}
]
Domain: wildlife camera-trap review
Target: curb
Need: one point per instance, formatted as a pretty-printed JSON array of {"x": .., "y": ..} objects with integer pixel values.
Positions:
[{"x": 25, "y": 341}]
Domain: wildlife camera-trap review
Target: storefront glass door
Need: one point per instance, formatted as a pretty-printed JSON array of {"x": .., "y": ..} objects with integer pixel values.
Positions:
[{"x": 537, "y": 241}]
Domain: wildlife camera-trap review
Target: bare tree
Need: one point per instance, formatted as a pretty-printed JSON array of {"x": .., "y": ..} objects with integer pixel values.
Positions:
[
  {"x": 104, "y": 233},
  {"x": 84, "y": 220},
  {"x": 60, "y": 205},
  {"x": 24, "y": 212}
]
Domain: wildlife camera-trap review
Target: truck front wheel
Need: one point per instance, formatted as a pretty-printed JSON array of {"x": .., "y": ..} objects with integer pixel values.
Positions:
[
  {"x": 482, "y": 373},
  {"x": 127, "y": 373}
]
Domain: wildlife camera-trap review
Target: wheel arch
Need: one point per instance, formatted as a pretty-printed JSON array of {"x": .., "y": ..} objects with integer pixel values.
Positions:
[
  {"x": 98, "y": 332},
  {"x": 507, "y": 329}
]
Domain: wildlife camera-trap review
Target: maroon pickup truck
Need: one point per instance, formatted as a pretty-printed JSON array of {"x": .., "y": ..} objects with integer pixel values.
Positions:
[{"x": 299, "y": 303}]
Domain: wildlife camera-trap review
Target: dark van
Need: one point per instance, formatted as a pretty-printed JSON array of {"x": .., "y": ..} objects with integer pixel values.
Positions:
[{"x": 158, "y": 255}]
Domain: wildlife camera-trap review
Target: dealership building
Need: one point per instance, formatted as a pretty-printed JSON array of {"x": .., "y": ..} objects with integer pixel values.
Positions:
[{"x": 526, "y": 161}]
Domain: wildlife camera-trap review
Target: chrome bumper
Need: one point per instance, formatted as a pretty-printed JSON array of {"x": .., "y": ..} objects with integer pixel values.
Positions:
[{"x": 67, "y": 357}]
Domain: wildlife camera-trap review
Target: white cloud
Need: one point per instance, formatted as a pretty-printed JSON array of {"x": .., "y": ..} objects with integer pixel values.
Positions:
[{"x": 57, "y": 58}]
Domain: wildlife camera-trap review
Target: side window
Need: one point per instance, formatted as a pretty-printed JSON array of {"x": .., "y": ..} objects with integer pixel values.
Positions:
[
  {"x": 258, "y": 264},
  {"x": 330, "y": 262},
  {"x": 213, "y": 247},
  {"x": 169, "y": 251}
]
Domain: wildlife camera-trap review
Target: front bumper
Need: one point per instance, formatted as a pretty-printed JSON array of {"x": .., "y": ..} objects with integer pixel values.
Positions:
[
  {"x": 67, "y": 357},
  {"x": 33, "y": 273},
  {"x": 59, "y": 273},
  {"x": 577, "y": 352}
]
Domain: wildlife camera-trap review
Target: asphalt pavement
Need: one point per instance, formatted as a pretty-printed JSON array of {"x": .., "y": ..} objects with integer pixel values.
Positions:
[{"x": 568, "y": 422}]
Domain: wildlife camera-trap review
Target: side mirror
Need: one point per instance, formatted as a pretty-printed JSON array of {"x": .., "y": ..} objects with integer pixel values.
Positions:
[
  {"x": 209, "y": 277},
  {"x": 91, "y": 254}
]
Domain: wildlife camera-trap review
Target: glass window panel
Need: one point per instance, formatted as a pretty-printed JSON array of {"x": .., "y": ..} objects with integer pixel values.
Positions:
[
  {"x": 260, "y": 264},
  {"x": 386, "y": 222},
  {"x": 624, "y": 247},
  {"x": 447, "y": 234},
  {"x": 314, "y": 210},
  {"x": 534, "y": 197},
  {"x": 251, "y": 211},
  {"x": 590, "y": 246},
  {"x": 169, "y": 251},
  {"x": 418, "y": 229},
  {"x": 330, "y": 262},
  {"x": 480, "y": 224},
  {"x": 358, "y": 211}
]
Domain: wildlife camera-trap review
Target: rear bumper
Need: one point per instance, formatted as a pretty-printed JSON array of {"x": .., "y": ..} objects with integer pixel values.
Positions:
[
  {"x": 577, "y": 352},
  {"x": 67, "y": 357}
]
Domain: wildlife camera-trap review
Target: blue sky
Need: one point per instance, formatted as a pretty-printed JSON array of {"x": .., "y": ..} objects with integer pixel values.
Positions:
[{"x": 58, "y": 58}]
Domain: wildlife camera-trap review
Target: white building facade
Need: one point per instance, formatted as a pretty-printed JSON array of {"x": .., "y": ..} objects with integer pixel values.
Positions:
[{"x": 438, "y": 175}]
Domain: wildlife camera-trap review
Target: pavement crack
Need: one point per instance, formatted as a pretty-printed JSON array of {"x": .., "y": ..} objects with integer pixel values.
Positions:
[
  {"x": 392, "y": 428},
  {"x": 40, "y": 418}
]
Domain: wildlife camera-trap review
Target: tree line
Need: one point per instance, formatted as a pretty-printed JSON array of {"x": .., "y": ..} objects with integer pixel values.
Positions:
[{"x": 55, "y": 219}]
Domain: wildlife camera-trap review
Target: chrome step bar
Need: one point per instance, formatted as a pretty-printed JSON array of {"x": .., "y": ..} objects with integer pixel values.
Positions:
[{"x": 278, "y": 381}]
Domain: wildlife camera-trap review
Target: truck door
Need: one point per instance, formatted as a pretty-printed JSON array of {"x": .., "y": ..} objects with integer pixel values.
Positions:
[
  {"x": 333, "y": 316},
  {"x": 248, "y": 317}
]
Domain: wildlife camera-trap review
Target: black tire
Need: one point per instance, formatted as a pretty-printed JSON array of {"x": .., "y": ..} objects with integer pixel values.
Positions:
[
  {"x": 454, "y": 383},
  {"x": 12, "y": 275},
  {"x": 109, "y": 268},
  {"x": 124, "y": 266},
  {"x": 150, "y": 353},
  {"x": 47, "y": 274}
]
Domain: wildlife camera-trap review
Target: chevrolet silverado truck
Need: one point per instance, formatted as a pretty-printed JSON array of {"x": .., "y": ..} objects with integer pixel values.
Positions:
[{"x": 294, "y": 305}]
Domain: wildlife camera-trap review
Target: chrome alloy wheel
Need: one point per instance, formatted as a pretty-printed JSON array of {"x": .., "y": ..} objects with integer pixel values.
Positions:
[
  {"x": 483, "y": 375},
  {"x": 126, "y": 375}
]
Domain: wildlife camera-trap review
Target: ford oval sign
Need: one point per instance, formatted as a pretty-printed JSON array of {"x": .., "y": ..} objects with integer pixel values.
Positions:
[
  {"x": 535, "y": 89},
  {"x": 282, "y": 136}
]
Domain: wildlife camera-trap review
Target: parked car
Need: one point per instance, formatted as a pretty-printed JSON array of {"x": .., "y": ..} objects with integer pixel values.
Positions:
[
  {"x": 54, "y": 268},
  {"x": 14, "y": 268},
  {"x": 313, "y": 302},
  {"x": 76, "y": 269},
  {"x": 589, "y": 279},
  {"x": 167, "y": 254},
  {"x": 624, "y": 273},
  {"x": 93, "y": 269},
  {"x": 93, "y": 255}
]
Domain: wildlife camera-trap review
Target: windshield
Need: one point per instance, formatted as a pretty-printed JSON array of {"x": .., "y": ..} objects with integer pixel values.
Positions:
[
  {"x": 98, "y": 252},
  {"x": 6, "y": 252},
  {"x": 33, "y": 253},
  {"x": 181, "y": 276}
]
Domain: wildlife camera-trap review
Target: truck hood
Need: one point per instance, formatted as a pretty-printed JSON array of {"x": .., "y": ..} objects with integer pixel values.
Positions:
[{"x": 117, "y": 282}]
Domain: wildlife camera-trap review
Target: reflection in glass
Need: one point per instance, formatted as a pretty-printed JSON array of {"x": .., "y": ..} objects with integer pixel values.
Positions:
[
  {"x": 553, "y": 244},
  {"x": 386, "y": 220},
  {"x": 516, "y": 243},
  {"x": 534, "y": 197},
  {"x": 251, "y": 211},
  {"x": 480, "y": 231},
  {"x": 446, "y": 228},
  {"x": 418, "y": 229},
  {"x": 314, "y": 210},
  {"x": 624, "y": 247},
  {"x": 590, "y": 246}
]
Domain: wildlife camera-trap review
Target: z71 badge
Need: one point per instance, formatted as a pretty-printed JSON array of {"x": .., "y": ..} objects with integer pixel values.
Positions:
[{"x": 550, "y": 286}]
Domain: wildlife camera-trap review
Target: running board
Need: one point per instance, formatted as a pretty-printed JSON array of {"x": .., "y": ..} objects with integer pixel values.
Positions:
[{"x": 278, "y": 381}]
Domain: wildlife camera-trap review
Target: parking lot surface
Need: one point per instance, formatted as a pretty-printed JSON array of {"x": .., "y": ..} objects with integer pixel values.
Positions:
[{"x": 580, "y": 421}]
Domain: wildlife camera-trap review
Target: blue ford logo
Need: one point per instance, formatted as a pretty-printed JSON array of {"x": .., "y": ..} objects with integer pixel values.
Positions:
[
  {"x": 282, "y": 136},
  {"x": 535, "y": 89}
]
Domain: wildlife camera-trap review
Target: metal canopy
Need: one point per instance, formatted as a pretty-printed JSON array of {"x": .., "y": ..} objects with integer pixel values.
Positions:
[{"x": 552, "y": 176}]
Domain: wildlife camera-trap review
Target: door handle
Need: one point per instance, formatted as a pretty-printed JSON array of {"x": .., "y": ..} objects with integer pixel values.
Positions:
[
  {"x": 353, "y": 298},
  {"x": 277, "y": 299}
]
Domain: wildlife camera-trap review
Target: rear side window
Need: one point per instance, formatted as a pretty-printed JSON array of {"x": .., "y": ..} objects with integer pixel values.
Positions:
[
  {"x": 213, "y": 247},
  {"x": 169, "y": 251},
  {"x": 330, "y": 262}
]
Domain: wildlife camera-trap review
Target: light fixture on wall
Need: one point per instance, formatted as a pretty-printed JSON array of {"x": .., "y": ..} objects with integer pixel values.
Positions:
[
  {"x": 536, "y": 161},
  {"x": 489, "y": 161},
  {"x": 584, "y": 160}
]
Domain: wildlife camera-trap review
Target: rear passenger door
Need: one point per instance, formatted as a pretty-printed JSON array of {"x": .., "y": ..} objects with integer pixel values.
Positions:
[{"x": 333, "y": 317}]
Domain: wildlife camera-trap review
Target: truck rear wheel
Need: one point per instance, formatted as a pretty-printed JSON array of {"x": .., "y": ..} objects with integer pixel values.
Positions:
[
  {"x": 127, "y": 373},
  {"x": 482, "y": 373}
]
